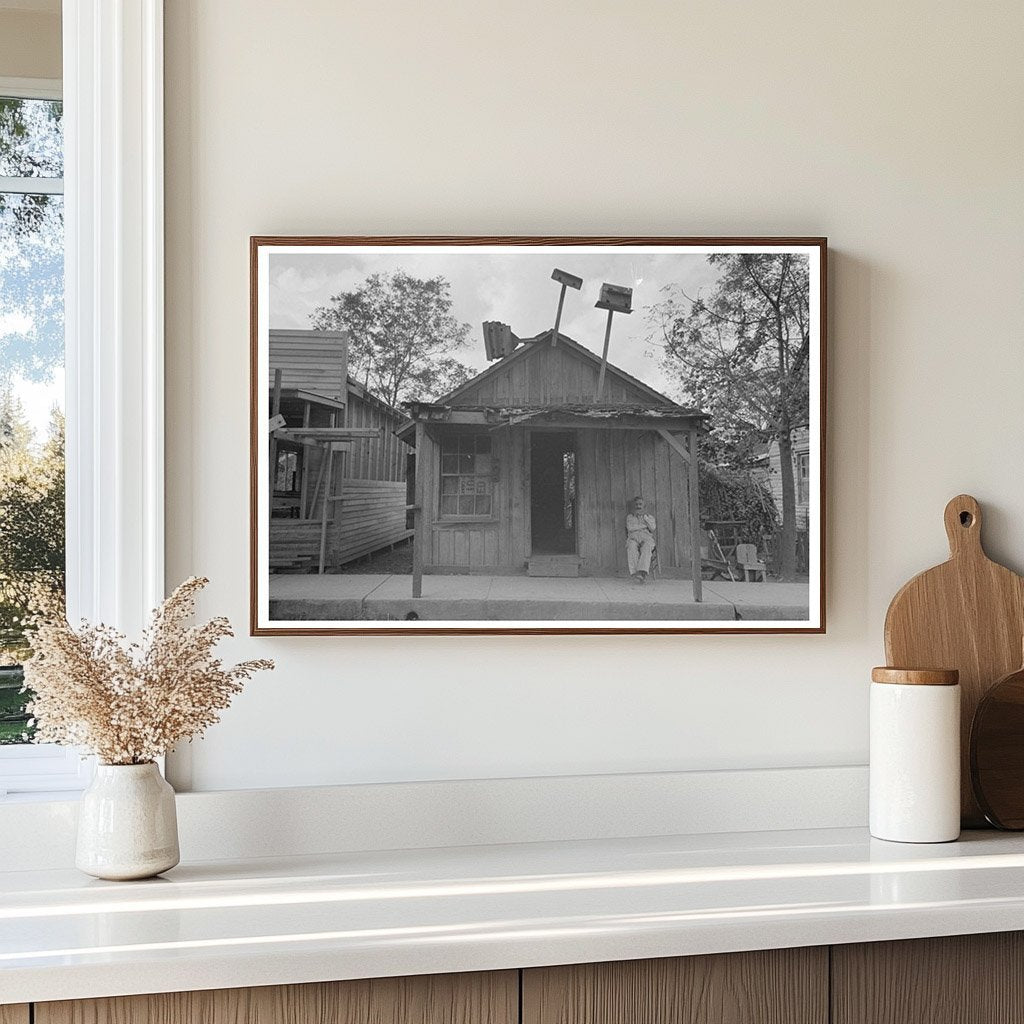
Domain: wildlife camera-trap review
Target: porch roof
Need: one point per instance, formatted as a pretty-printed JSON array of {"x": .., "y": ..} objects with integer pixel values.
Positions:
[
  {"x": 312, "y": 397},
  {"x": 593, "y": 417}
]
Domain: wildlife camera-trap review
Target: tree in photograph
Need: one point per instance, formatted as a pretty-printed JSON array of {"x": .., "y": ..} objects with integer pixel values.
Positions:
[
  {"x": 742, "y": 353},
  {"x": 402, "y": 332}
]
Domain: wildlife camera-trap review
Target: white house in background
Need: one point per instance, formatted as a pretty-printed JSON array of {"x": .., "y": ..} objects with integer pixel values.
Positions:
[{"x": 766, "y": 468}]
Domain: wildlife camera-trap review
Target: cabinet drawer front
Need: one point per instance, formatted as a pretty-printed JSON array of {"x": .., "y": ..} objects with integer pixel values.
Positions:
[
  {"x": 778, "y": 986},
  {"x": 14, "y": 1014},
  {"x": 484, "y": 998},
  {"x": 961, "y": 979}
]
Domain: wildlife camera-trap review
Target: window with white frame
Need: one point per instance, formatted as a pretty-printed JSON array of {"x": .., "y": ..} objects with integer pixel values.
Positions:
[
  {"x": 803, "y": 478},
  {"x": 109, "y": 136},
  {"x": 31, "y": 381},
  {"x": 32, "y": 515}
]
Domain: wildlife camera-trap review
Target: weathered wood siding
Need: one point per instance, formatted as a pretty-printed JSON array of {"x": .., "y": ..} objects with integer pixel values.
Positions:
[
  {"x": 368, "y": 482},
  {"x": 541, "y": 375},
  {"x": 315, "y": 361},
  {"x": 369, "y": 458},
  {"x": 611, "y": 467},
  {"x": 370, "y": 515},
  {"x": 374, "y": 458},
  {"x": 483, "y": 545},
  {"x": 294, "y": 544}
]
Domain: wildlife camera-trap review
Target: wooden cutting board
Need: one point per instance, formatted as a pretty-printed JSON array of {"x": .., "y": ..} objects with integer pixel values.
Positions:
[{"x": 967, "y": 614}]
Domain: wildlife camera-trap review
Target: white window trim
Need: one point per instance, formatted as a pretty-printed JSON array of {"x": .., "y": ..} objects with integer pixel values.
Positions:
[
  {"x": 32, "y": 186},
  {"x": 113, "y": 167},
  {"x": 42, "y": 768},
  {"x": 32, "y": 88}
]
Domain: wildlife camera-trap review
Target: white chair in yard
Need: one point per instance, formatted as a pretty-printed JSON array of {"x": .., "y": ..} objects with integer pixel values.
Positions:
[{"x": 746, "y": 558}]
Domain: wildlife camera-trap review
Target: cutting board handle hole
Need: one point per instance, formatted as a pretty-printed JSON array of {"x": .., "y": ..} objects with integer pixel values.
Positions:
[{"x": 966, "y": 519}]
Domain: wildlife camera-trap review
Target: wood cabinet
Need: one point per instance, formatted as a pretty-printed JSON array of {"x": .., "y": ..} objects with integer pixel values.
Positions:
[
  {"x": 491, "y": 998},
  {"x": 777, "y": 986},
  {"x": 968, "y": 979},
  {"x": 962, "y": 979}
]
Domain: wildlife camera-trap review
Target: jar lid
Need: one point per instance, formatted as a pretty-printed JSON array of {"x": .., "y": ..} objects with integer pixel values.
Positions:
[{"x": 916, "y": 676}]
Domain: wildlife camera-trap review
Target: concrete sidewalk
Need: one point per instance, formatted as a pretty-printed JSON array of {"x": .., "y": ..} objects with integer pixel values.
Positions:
[{"x": 346, "y": 597}]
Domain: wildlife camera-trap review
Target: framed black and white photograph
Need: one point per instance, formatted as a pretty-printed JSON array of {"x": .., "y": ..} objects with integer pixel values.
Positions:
[{"x": 537, "y": 435}]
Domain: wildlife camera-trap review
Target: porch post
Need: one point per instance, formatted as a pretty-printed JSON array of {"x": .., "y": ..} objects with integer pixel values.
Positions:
[
  {"x": 329, "y": 457},
  {"x": 417, "y": 512},
  {"x": 695, "y": 560},
  {"x": 275, "y": 410},
  {"x": 329, "y": 462},
  {"x": 304, "y": 480}
]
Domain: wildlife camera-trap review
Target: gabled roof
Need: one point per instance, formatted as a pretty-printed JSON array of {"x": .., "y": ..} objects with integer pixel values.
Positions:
[{"x": 523, "y": 352}]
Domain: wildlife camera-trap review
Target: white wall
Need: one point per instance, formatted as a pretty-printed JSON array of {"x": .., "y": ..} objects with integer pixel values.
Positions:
[{"x": 895, "y": 129}]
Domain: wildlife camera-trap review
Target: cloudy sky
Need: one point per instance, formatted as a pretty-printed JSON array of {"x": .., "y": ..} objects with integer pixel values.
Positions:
[{"x": 515, "y": 288}]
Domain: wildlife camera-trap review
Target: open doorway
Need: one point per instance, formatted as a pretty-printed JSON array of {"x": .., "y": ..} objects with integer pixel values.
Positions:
[{"x": 553, "y": 492}]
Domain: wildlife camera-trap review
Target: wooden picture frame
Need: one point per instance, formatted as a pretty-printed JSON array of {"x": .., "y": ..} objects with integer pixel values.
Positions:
[{"x": 494, "y": 499}]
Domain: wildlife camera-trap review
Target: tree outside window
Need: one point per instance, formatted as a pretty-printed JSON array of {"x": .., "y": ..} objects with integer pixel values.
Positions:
[{"x": 31, "y": 385}]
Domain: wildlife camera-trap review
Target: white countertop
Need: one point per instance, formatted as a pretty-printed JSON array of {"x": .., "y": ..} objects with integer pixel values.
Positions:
[{"x": 226, "y": 924}]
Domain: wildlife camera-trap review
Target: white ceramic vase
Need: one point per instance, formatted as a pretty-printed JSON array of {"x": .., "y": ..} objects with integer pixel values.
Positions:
[{"x": 127, "y": 824}]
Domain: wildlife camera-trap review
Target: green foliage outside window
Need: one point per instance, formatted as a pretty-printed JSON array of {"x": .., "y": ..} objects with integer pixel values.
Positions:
[{"x": 31, "y": 355}]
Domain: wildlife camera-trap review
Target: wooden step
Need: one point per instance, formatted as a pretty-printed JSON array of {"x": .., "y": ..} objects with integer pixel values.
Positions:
[{"x": 553, "y": 565}]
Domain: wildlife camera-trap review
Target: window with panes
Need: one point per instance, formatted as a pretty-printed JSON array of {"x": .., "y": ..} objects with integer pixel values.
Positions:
[
  {"x": 467, "y": 485},
  {"x": 803, "y": 478}
]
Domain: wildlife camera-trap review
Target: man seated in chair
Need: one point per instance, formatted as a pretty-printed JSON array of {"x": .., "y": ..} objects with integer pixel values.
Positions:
[{"x": 640, "y": 535}]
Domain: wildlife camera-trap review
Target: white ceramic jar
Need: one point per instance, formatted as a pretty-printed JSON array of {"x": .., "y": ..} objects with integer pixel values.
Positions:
[
  {"x": 127, "y": 823},
  {"x": 915, "y": 755}
]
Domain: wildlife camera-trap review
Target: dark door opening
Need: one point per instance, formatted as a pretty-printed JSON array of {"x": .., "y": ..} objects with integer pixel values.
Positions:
[{"x": 553, "y": 493}]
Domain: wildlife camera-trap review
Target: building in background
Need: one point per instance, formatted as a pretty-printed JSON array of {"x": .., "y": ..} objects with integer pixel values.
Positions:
[
  {"x": 337, "y": 466},
  {"x": 765, "y": 467}
]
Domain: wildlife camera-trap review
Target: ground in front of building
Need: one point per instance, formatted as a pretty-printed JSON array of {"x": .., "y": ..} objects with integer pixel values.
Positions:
[{"x": 387, "y": 596}]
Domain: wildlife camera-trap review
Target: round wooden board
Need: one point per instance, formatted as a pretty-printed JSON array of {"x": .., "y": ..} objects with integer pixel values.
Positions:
[{"x": 997, "y": 752}]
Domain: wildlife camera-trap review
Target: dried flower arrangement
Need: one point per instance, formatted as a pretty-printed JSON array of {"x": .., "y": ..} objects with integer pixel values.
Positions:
[{"x": 130, "y": 703}]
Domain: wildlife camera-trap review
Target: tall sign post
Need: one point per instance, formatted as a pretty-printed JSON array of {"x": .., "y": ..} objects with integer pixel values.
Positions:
[
  {"x": 615, "y": 299},
  {"x": 566, "y": 280}
]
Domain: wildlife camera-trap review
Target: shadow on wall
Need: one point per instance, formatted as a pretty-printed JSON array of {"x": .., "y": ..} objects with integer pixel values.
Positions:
[{"x": 854, "y": 286}]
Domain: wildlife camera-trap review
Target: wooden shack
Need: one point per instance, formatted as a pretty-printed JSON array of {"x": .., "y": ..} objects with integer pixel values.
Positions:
[
  {"x": 338, "y": 468},
  {"x": 525, "y": 470}
]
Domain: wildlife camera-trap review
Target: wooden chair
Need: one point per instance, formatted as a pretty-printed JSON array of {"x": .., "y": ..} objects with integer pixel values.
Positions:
[
  {"x": 718, "y": 566},
  {"x": 746, "y": 557}
]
